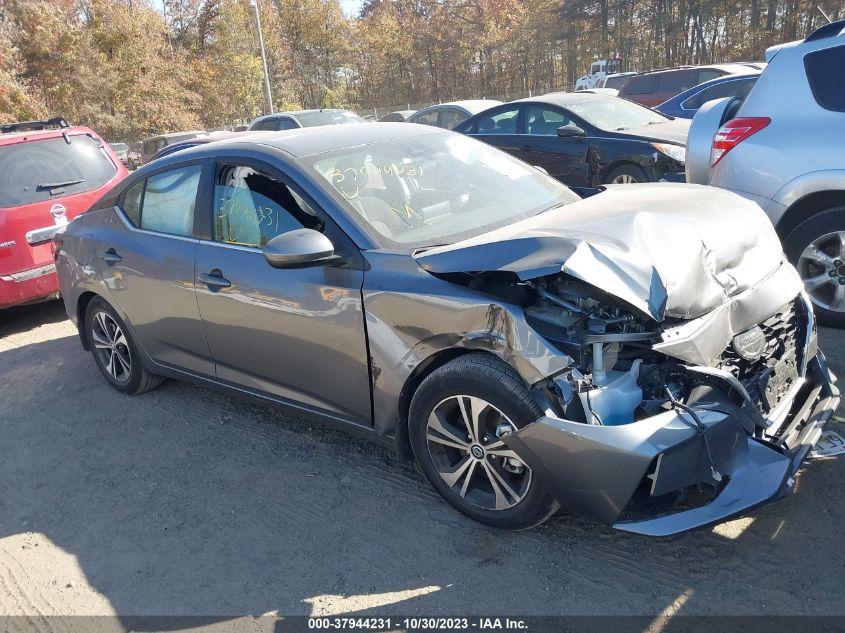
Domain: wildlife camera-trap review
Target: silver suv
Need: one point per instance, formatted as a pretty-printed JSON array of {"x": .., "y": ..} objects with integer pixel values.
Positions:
[{"x": 784, "y": 148}]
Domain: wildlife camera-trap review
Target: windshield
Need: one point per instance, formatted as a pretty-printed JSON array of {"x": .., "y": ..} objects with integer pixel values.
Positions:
[
  {"x": 310, "y": 119},
  {"x": 436, "y": 189},
  {"x": 51, "y": 168},
  {"x": 610, "y": 114}
]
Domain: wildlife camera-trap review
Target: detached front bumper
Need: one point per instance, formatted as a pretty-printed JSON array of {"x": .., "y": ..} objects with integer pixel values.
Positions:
[{"x": 606, "y": 472}]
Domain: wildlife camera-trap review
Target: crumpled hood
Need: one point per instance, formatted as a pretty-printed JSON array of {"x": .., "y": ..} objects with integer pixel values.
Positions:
[
  {"x": 667, "y": 250},
  {"x": 671, "y": 131}
]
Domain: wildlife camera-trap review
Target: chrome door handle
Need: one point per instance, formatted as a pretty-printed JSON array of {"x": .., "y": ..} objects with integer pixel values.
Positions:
[
  {"x": 214, "y": 279},
  {"x": 110, "y": 256}
]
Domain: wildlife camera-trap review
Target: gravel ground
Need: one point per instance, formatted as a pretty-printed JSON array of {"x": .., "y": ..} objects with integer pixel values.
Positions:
[{"x": 186, "y": 501}]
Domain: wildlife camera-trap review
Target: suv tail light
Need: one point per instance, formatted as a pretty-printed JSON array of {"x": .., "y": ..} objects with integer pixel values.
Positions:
[{"x": 733, "y": 133}]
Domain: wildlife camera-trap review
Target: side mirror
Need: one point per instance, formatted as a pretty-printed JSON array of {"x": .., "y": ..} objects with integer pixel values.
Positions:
[
  {"x": 302, "y": 247},
  {"x": 570, "y": 130}
]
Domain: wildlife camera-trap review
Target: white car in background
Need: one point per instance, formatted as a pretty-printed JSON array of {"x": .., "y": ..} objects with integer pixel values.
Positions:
[
  {"x": 784, "y": 148},
  {"x": 448, "y": 115}
]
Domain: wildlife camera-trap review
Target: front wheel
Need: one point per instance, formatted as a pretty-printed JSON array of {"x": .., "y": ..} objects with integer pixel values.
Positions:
[
  {"x": 458, "y": 417},
  {"x": 626, "y": 175},
  {"x": 817, "y": 249}
]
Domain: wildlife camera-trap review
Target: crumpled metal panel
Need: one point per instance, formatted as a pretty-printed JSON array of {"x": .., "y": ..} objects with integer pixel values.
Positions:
[
  {"x": 668, "y": 250},
  {"x": 412, "y": 317},
  {"x": 700, "y": 341},
  {"x": 594, "y": 470}
]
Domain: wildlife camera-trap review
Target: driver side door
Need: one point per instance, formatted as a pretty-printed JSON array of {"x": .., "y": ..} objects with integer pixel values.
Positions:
[
  {"x": 563, "y": 157},
  {"x": 296, "y": 334}
]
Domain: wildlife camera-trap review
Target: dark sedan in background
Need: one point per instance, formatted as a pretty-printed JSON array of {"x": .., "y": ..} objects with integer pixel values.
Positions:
[
  {"x": 644, "y": 357},
  {"x": 585, "y": 139}
]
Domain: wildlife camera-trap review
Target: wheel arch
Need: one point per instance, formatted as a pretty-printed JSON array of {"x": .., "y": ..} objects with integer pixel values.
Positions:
[
  {"x": 636, "y": 161},
  {"x": 420, "y": 373},
  {"x": 806, "y": 207},
  {"x": 82, "y": 303}
]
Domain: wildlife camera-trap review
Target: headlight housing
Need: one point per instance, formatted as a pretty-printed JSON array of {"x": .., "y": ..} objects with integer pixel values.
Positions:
[{"x": 676, "y": 152}]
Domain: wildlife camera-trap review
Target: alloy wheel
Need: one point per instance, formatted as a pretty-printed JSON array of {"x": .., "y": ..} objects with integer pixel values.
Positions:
[
  {"x": 111, "y": 346},
  {"x": 822, "y": 269},
  {"x": 624, "y": 179},
  {"x": 464, "y": 434}
]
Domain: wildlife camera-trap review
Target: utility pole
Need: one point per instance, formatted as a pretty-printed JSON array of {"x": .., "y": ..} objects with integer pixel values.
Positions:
[{"x": 267, "y": 94}]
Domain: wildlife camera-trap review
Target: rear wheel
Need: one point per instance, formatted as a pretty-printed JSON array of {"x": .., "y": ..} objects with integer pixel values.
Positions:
[
  {"x": 626, "y": 175},
  {"x": 458, "y": 417},
  {"x": 114, "y": 351},
  {"x": 817, "y": 249}
]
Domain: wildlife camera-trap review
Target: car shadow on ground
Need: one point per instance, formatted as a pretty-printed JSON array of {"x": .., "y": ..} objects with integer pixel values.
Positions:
[{"x": 186, "y": 501}]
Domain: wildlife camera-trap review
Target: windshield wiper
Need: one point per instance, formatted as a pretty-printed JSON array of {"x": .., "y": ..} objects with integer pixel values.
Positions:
[{"x": 56, "y": 185}]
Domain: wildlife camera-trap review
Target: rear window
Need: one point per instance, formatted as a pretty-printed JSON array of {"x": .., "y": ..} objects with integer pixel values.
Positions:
[
  {"x": 34, "y": 171},
  {"x": 823, "y": 67},
  {"x": 641, "y": 85},
  {"x": 312, "y": 119}
]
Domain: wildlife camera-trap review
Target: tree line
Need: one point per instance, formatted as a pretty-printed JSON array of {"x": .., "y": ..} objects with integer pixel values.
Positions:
[{"x": 132, "y": 68}]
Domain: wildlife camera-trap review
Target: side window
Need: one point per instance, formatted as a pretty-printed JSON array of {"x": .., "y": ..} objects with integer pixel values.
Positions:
[
  {"x": 427, "y": 118},
  {"x": 132, "y": 202},
  {"x": 676, "y": 82},
  {"x": 266, "y": 125},
  {"x": 251, "y": 208},
  {"x": 451, "y": 117},
  {"x": 501, "y": 122},
  {"x": 642, "y": 85},
  {"x": 822, "y": 68},
  {"x": 544, "y": 122},
  {"x": 707, "y": 75},
  {"x": 736, "y": 88},
  {"x": 286, "y": 124},
  {"x": 169, "y": 199}
]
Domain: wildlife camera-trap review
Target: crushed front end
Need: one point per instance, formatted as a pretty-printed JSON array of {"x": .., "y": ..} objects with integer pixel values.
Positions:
[{"x": 658, "y": 428}]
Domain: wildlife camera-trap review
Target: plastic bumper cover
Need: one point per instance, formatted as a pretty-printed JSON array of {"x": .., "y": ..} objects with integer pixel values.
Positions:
[{"x": 596, "y": 470}]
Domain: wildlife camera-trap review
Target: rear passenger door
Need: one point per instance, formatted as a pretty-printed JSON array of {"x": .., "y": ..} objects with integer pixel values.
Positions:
[{"x": 146, "y": 255}]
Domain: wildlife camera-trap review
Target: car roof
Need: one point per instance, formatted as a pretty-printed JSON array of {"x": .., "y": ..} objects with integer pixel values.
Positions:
[
  {"x": 174, "y": 134},
  {"x": 564, "y": 99},
  {"x": 473, "y": 106},
  {"x": 732, "y": 68},
  {"x": 295, "y": 113},
  {"x": 308, "y": 141},
  {"x": 10, "y": 138}
]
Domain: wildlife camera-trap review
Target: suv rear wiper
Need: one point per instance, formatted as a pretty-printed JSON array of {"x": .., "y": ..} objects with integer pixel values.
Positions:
[{"x": 56, "y": 185}]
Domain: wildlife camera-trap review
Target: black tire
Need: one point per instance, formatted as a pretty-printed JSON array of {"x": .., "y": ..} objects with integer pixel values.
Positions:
[
  {"x": 137, "y": 379},
  {"x": 811, "y": 230},
  {"x": 489, "y": 378},
  {"x": 637, "y": 174}
]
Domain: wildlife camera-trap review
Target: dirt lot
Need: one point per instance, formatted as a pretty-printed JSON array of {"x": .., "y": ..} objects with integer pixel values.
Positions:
[{"x": 185, "y": 501}]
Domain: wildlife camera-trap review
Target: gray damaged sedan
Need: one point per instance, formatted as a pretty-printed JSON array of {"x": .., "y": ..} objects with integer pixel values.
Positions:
[{"x": 644, "y": 356}]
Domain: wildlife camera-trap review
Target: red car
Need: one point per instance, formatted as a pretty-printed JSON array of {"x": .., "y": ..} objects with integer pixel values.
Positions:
[{"x": 50, "y": 172}]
